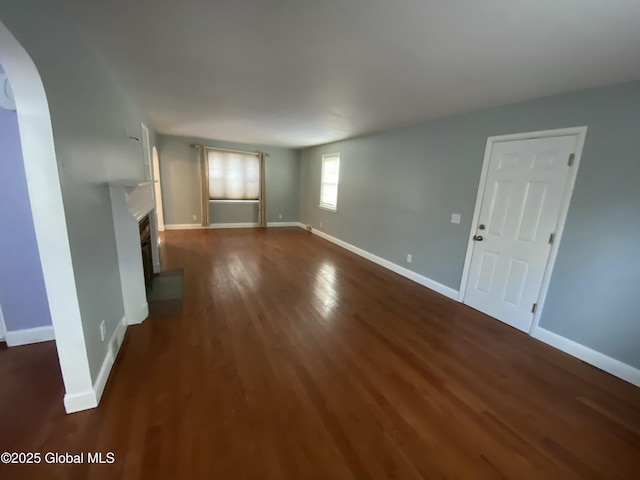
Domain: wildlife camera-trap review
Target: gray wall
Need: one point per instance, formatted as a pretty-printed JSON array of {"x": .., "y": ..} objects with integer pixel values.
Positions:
[
  {"x": 180, "y": 178},
  {"x": 398, "y": 190},
  {"x": 90, "y": 115},
  {"x": 22, "y": 292}
]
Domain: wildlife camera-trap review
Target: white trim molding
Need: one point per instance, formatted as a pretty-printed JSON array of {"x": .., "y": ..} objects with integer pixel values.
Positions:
[
  {"x": 215, "y": 226},
  {"x": 603, "y": 362},
  {"x": 232, "y": 225},
  {"x": 405, "y": 272},
  {"x": 78, "y": 402},
  {"x": 3, "y": 328},
  {"x": 91, "y": 398},
  {"x": 183, "y": 226},
  {"x": 113, "y": 348},
  {"x": 139, "y": 316},
  {"x": 47, "y": 210},
  {"x": 30, "y": 335},
  {"x": 580, "y": 134},
  {"x": 282, "y": 224}
]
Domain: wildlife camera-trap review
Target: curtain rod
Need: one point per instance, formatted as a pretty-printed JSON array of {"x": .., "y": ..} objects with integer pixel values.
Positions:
[{"x": 197, "y": 145}]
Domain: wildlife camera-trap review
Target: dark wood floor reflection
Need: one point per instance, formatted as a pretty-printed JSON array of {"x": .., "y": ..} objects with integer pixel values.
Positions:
[{"x": 295, "y": 359}]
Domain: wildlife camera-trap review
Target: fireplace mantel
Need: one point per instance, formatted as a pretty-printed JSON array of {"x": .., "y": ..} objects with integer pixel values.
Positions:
[
  {"x": 138, "y": 195},
  {"x": 131, "y": 201}
]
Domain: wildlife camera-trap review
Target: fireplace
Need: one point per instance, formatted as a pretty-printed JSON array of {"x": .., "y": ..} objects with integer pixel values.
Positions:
[
  {"x": 147, "y": 252},
  {"x": 132, "y": 206}
]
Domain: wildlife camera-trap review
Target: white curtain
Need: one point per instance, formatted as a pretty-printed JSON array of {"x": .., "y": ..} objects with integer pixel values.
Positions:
[
  {"x": 233, "y": 176},
  {"x": 230, "y": 175},
  {"x": 262, "y": 205},
  {"x": 204, "y": 186}
]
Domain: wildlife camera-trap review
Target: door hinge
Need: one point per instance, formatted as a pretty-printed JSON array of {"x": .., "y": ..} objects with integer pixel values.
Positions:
[
  {"x": 552, "y": 238},
  {"x": 572, "y": 158},
  {"x": 533, "y": 309}
]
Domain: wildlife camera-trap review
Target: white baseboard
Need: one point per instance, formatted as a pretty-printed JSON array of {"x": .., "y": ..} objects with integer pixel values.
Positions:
[
  {"x": 232, "y": 225},
  {"x": 91, "y": 398},
  {"x": 30, "y": 335},
  {"x": 197, "y": 226},
  {"x": 586, "y": 354},
  {"x": 405, "y": 272},
  {"x": 183, "y": 226},
  {"x": 282, "y": 224},
  {"x": 113, "y": 347},
  {"x": 139, "y": 316},
  {"x": 78, "y": 402}
]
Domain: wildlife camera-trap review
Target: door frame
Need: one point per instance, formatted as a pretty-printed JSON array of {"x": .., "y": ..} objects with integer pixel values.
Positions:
[
  {"x": 580, "y": 133},
  {"x": 3, "y": 327},
  {"x": 155, "y": 166}
]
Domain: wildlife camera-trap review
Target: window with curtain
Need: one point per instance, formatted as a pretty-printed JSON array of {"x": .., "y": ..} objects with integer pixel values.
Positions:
[
  {"x": 233, "y": 176},
  {"x": 329, "y": 182}
]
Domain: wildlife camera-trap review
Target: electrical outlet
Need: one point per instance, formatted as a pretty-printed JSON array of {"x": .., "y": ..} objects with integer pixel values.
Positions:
[
  {"x": 280, "y": 216},
  {"x": 195, "y": 217},
  {"x": 409, "y": 258},
  {"x": 455, "y": 218},
  {"x": 103, "y": 330},
  {"x": 320, "y": 223}
]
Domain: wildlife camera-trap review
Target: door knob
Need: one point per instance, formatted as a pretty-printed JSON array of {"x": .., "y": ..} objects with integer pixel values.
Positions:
[{"x": 477, "y": 238}]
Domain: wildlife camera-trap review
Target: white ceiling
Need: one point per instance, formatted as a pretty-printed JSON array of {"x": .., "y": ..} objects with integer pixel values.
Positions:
[{"x": 301, "y": 72}]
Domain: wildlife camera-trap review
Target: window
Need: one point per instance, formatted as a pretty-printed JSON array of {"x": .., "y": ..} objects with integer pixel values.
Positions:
[
  {"x": 329, "y": 185},
  {"x": 233, "y": 176}
]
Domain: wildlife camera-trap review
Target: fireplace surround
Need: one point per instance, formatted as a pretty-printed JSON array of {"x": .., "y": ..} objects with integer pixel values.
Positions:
[{"x": 133, "y": 212}]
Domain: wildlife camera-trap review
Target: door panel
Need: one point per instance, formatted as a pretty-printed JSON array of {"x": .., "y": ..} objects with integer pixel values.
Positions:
[
  {"x": 520, "y": 208},
  {"x": 533, "y": 206},
  {"x": 487, "y": 271}
]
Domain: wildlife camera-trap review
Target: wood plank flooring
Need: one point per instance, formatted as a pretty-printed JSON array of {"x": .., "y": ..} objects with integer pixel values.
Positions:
[{"x": 295, "y": 359}]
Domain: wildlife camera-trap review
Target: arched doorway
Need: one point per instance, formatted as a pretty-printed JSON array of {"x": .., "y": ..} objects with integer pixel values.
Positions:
[{"x": 41, "y": 171}]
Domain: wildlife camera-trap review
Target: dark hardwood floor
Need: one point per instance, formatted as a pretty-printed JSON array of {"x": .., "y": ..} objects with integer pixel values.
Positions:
[{"x": 295, "y": 359}]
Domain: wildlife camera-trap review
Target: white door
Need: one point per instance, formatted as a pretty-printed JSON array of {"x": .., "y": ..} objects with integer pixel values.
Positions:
[{"x": 523, "y": 196}]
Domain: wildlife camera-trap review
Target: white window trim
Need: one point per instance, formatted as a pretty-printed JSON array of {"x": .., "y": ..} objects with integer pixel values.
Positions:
[
  {"x": 328, "y": 208},
  {"x": 324, "y": 206}
]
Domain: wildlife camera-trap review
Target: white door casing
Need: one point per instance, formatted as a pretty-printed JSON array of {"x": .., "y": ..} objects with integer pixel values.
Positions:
[
  {"x": 158, "y": 189},
  {"x": 523, "y": 198},
  {"x": 146, "y": 151},
  {"x": 3, "y": 328}
]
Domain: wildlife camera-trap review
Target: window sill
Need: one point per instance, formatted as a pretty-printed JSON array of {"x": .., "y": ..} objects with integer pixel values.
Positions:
[{"x": 329, "y": 209}]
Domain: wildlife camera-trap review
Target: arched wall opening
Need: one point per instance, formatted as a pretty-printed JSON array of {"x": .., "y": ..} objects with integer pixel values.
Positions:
[
  {"x": 45, "y": 196},
  {"x": 23, "y": 298}
]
